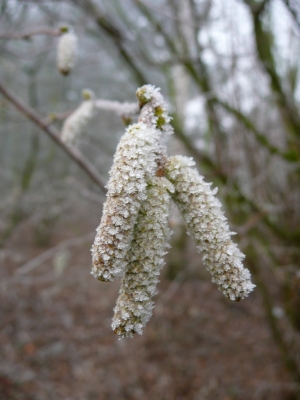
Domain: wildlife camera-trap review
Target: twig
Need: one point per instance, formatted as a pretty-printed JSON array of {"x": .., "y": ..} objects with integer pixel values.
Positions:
[
  {"x": 37, "y": 261},
  {"x": 27, "y": 35},
  {"x": 118, "y": 108},
  {"x": 172, "y": 289},
  {"x": 54, "y": 134},
  {"x": 56, "y": 117}
]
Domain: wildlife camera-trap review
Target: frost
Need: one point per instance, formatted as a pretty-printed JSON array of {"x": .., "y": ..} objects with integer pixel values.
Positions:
[
  {"x": 134, "y": 162},
  {"x": 208, "y": 226},
  {"x": 131, "y": 240},
  {"x": 144, "y": 261}
]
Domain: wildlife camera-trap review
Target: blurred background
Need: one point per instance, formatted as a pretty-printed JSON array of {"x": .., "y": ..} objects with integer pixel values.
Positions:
[{"x": 230, "y": 74}]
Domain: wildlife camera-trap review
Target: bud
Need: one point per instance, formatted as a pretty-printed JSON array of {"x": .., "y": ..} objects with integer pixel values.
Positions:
[
  {"x": 66, "y": 51},
  {"x": 154, "y": 109}
]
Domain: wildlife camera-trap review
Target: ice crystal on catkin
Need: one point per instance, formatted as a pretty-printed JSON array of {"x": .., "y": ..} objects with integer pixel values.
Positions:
[
  {"x": 134, "y": 162},
  {"x": 208, "y": 226},
  {"x": 75, "y": 124},
  {"x": 66, "y": 52},
  {"x": 154, "y": 109},
  {"x": 144, "y": 260}
]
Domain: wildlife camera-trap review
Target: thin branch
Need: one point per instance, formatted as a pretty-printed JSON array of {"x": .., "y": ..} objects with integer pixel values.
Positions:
[
  {"x": 121, "y": 109},
  {"x": 289, "y": 358},
  {"x": 260, "y": 137},
  {"x": 285, "y": 103},
  {"x": 46, "y": 255},
  {"x": 29, "y": 34},
  {"x": 54, "y": 135},
  {"x": 111, "y": 29},
  {"x": 293, "y": 12}
]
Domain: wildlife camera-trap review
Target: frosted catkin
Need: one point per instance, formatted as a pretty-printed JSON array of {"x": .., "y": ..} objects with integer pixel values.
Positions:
[
  {"x": 66, "y": 52},
  {"x": 134, "y": 162},
  {"x": 76, "y": 123},
  {"x": 208, "y": 226},
  {"x": 138, "y": 156},
  {"x": 144, "y": 261}
]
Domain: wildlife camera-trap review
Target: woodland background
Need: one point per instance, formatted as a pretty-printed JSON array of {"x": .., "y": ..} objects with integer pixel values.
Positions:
[{"x": 230, "y": 73}]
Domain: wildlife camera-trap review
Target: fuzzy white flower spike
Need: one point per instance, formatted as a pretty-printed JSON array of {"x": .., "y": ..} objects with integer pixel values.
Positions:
[
  {"x": 76, "y": 123},
  {"x": 144, "y": 261},
  {"x": 137, "y": 158},
  {"x": 66, "y": 51},
  {"x": 208, "y": 226}
]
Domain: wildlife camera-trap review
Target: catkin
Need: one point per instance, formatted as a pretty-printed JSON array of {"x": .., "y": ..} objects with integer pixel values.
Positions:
[
  {"x": 137, "y": 159},
  {"x": 66, "y": 52},
  {"x": 144, "y": 261},
  {"x": 208, "y": 226},
  {"x": 134, "y": 162},
  {"x": 76, "y": 123}
]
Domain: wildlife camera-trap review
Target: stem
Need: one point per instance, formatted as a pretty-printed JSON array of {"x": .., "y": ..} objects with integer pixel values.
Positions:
[
  {"x": 27, "y": 35},
  {"x": 54, "y": 135}
]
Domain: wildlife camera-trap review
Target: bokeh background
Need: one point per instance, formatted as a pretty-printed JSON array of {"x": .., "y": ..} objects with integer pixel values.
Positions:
[{"x": 230, "y": 74}]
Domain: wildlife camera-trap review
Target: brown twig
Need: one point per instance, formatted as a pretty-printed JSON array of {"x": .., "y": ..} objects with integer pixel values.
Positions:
[
  {"x": 54, "y": 135},
  {"x": 27, "y": 35}
]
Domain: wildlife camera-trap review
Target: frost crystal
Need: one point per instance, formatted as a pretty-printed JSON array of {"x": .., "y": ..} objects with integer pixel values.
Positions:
[
  {"x": 66, "y": 52},
  {"x": 144, "y": 261},
  {"x": 154, "y": 109},
  {"x": 75, "y": 124},
  {"x": 134, "y": 162},
  {"x": 209, "y": 228}
]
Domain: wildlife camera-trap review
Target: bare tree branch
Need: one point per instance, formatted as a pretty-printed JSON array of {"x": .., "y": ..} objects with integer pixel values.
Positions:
[
  {"x": 29, "y": 34},
  {"x": 292, "y": 10},
  {"x": 54, "y": 135}
]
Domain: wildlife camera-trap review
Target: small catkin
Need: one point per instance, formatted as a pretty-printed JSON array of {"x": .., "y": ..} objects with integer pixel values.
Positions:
[
  {"x": 76, "y": 123},
  {"x": 144, "y": 261},
  {"x": 134, "y": 162},
  {"x": 208, "y": 226},
  {"x": 66, "y": 52}
]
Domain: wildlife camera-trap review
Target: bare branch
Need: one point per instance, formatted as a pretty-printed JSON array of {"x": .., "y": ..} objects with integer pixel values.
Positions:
[
  {"x": 54, "y": 135},
  {"x": 46, "y": 255},
  {"x": 121, "y": 109},
  {"x": 292, "y": 10},
  {"x": 29, "y": 34}
]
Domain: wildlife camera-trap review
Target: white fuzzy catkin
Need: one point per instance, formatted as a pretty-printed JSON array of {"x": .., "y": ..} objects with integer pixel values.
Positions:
[
  {"x": 66, "y": 52},
  {"x": 134, "y": 162},
  {"x": 137, "y": 159},
  {"x": 208, "y": 226},
  {"x": 76, "y": 123},
  {"x": 144, "y": 261}
]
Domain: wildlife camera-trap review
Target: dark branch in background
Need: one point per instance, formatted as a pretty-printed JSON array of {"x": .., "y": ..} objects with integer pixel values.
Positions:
[
  {"x": 289, "y": 358},
  {"x": 286, "y": 104},
  {"x": 114, "y": 33},
  {"x": 290, "y": 155},
  {"x": 29, "y": 34},
  {"x": 54, "y": 135},
  {"x": 295, "y": 15}
]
